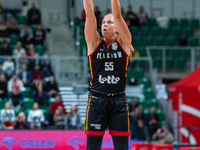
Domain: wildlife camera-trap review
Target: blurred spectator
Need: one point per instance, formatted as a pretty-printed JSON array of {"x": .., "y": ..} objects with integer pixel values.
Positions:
[
  {"x": 12, "y": 24},
  {"x": 34, "y": 16},
  {"x": 134, "y": 62},
  {"x": 31, "y": 51},
  {"x": 72, "y": 119},
  {"x": 38, "y": 91},
  {"x": 1, "y": 71},
  {"x": 7, "y": 117},
  {"x": 5, "y": 50},
  {"x": 163, "y": 135},
  {"x": 55, "y": 105},
  {"x": 132, "y": 106},
  {"x": 1, "y": 9},
  {"x": 8, "y": 64},
  {"x": 151, "y": 123},
  {"x": 143, "y": 18},
  {"x": 25, "y": 75},
  {"x": 52, "y": 87},
  {"x": 36, "y": 73},
  {"x": 45, "y": 66},
  {"x": 15, "y": 90},
  {"x": 26, "y": 36},
  {"x": 35, "y": 117},
  {"x": 19, "y": 51},
  {"x": 21, "y": 122},
  {"x": 59, "y": 118},
  {"x": 8, "y": 75},
  {"x": 3, "y": 86},
  {"x": 108, "y": 11},
  {"x": 83, "y": 16},
  {"x": 132, "y": 17},
  {"x": 97, "y": 13},
  {"x": 4, "y": 33},
  {"x": 39, "y": 35}
]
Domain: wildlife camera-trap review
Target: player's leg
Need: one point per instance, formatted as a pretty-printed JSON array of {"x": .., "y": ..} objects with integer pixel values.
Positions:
[
  {"x": 119, "y": 126},
  {"x": 94, "y": 142},
  {"x": 120, "y": 142}
]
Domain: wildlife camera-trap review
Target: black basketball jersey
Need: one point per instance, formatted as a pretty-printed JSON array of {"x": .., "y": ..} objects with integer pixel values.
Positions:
[{"x": 108, "y": 68}]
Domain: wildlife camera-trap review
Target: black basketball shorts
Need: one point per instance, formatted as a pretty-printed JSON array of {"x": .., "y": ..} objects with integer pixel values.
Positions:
[{"x": 107, "y": 110}]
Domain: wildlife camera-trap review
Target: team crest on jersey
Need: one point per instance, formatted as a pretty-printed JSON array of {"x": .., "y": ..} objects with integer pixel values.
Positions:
[{"x": 114, "y": 46}]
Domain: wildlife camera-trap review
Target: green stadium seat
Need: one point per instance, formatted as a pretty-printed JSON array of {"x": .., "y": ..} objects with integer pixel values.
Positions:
[
  {"x": 146, "y": 111},
  {"x": 39, "y": 49},
  {"x": 184, "y": 22},
  {"x": 83, "y": 48},
  {"x": 155, "y": 52},
  {"x": 82, "y": 26},
  {"x": 169, "y": 62},
  {"x": 145, "y": 82},
  {"x": 33, "y": 27},
  {"x": 160, "y": 114},
  {"x": 194, "y": 23},
  {"x": 187, "y": 53},
  {"x": 144, "y": 31},
  {"x": 193, "y": 41},
  {"x": 51, "y": 100},
  {"x": 171, "y": 41},
  {"x": 27, "y": 103},
  {"x": 76, "y": 21},
  {"x": 155, "y": 31},
  {"x": 27, "y": 111},
  {"x": 0, "y": 46},
  {"x": 137, "y": 41},
  {"x": 82, "y": 41},
  {"x": 21, "y": 19},
  {"x": 27, "y": 91},
  {"x": 189, "y": 32},
  {"x": 46, "y": 79},
  {"x": 177, "y": 31},
  {"x": 141, "y": 102},
  {"x": 138, "y": 73},
  {"x": 180, "y": 62},
  {"x": 166, "y": 32},
  {"x": 128, "y": 100},
  {"x": 173, "y": 22},
  {"x": 152, "y": 22},
  {"x": 168, "y": 52},
  {"x": 17, "y": 111},
  {"x": 142, "y": 51},
  {"x": 164, "y": 122},
  {"x": 149, "y": 93},
  {"x": 46, "y": 113},
  {"x": 154, "y": 103},
  {"x": 2, "y": 103},
  {"x": 149, "y": 41},
  {"x": 13, "y": 46},
  {"x": 129, "y": 73},
  {"x": 176, "y": 52},
  {"x": 134, "y": 30},
  {"x": 157, "y": 62},
  {"x": 13, "y": 38},
  {"x": 160, "y": 41}
]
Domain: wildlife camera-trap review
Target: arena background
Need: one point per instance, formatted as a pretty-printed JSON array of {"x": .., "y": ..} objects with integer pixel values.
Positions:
[{"x": 163, "y": 74}]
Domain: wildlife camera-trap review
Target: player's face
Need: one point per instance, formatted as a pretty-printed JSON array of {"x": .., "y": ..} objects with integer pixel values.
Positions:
[{"x": 108, "y": 28}]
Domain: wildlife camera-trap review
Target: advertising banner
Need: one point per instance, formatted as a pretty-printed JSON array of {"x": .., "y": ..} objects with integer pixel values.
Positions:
[{"x": 48, "y": 140}]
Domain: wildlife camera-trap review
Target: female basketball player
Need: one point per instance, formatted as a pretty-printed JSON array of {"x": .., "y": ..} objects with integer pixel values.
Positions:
[{"x": 108, "y": 60}]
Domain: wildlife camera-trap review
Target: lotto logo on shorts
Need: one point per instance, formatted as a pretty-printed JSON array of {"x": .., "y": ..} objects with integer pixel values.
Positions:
[{"x": 96, "y": 126}]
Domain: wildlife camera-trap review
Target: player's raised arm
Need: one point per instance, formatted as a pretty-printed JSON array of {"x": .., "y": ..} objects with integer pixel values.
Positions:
[
  {"x": 121, "y": 26},
  {"x": 91, "y": 35}
]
